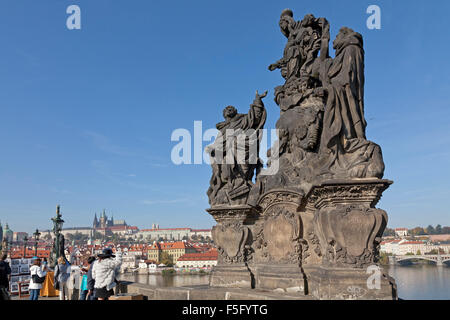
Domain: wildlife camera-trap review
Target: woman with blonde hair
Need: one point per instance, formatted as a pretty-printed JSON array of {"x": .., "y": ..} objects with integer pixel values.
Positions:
[{"x": 62, "y": 274}]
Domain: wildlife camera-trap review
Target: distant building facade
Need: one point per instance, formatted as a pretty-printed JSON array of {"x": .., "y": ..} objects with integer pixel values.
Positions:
[
  {"x": 403, "y": 247},
  {"x": 198, "y": 260},
  {"x": 19, "y": 236},
  {"x": 174, "y": 249},
  {"x": 7, "y": 233},
  {"x": 175, "y": 234},
  {"x": 205, "y": 233},
  {"x": 172, "y": 234},
  {"x": 401, "y": 232}
]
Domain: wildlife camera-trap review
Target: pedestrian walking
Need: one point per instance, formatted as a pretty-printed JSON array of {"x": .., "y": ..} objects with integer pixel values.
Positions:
[
  {"x": 38, "y": 275},
  {"x": 62, "y": 274},
  {"x": 104, "y": 273},
  {"x": 84, "y": 288},
  {"x": 5, "y": 277},
  {"x": 73, "y": 283},
  {"x": 90, "y": 280}
]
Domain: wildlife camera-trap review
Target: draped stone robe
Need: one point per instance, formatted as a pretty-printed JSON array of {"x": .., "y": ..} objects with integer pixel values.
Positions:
[{"x": 344, "y": 150}]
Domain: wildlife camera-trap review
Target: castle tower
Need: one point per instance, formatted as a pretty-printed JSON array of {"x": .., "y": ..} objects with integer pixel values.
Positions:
[
  {"x": 8, "y": 233},
  {"x": 95, "y": 223},
  {"x": 103, "y": 219}
]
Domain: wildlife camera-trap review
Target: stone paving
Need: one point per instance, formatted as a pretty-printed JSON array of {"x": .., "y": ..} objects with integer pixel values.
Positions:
[{"x": 27, "y": 297}]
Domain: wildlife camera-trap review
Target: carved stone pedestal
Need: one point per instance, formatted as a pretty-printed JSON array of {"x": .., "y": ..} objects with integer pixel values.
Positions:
[
  {"x": 233, "y": 238},
  {"x": 347, "y": 224},
  {"x": 283, "y": 278},
  {"x": 350, "y": 284},
  {"x": 231, "y": 276},
  {"x": 349, "y": 230},
  {"x": 323, "y": 245},
  {"x": 278, "y": 246}
]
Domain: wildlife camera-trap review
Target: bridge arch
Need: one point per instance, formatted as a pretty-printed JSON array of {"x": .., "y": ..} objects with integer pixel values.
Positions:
[{"x": 407, "y": 258}]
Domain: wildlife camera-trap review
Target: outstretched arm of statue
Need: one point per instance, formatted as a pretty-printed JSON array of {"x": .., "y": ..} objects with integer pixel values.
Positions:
[
  {"x": 261, "y": 95},
  {"x": 257, "y": 113},
  {"x": 274, "y": 66}
]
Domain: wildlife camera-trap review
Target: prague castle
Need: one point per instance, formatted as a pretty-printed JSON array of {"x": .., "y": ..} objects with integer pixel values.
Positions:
[
  {"x": 103, "y": 225},
  {"x": 104, "y": 222}
]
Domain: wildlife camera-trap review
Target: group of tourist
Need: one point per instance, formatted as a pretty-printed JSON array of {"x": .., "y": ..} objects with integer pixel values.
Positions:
[{"x": 98, "y": 277}]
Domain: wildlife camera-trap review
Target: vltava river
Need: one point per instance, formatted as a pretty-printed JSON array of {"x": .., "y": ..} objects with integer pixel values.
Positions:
[
  {"x": 158, "y": 280},
  {"x": 422, "y": 282}
]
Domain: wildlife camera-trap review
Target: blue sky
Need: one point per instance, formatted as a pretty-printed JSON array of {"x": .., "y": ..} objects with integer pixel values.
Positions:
[{"x": 87, "y": 115}]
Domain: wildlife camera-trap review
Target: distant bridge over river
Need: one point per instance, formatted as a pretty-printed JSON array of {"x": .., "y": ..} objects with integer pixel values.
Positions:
[{"x": 439, "y": 259}]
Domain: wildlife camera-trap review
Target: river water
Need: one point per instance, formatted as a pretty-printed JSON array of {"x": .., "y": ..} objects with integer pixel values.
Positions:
[
  {"x": 422, "y": 282},
  {"x": 158, "y": 280}
]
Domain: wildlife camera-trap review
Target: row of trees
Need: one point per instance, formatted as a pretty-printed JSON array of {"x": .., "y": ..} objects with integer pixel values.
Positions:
[{"x": 419, "y": 231}]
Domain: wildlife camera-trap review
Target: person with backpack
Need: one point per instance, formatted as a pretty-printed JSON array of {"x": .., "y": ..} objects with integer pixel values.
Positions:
[
  {"x": 37, "y": 279},
  {"x": 5, "y": 276}
]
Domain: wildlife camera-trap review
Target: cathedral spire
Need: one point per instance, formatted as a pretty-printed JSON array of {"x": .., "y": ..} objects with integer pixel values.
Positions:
[{"x": 95, "y": 223}]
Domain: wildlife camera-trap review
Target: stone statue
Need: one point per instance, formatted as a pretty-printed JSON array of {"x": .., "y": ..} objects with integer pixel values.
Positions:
[
  {"x": 57, "y": 249},
  {"x": 322, "y": 111},
  {"x": 61, "y": 244},
  {"x": 343, "y": 148},
  {"x": 234, "y": 154},
  {"x": 310, "y": 228},
  {"x": 304, "y": 42}
]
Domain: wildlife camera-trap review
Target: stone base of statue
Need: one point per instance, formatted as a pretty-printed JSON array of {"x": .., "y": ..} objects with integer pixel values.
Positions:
[
  {"x": 348, "y": 230},
  {"x": 350, "y": 284},
  {"x": 323, "y": 244},
  {"x": 280, "y": 278},
  {"x": 276, "y": 250},
  {"x": 231, "y": 276},
  {"x": 232, "y": 237}
]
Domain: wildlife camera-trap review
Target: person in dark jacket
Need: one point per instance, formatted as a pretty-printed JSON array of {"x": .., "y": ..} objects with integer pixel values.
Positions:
[
  {"x": 5, "y": 276},
  {"x": 90, "y": 280}
]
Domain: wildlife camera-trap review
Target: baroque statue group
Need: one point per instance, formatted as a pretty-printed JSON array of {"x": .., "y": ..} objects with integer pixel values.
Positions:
[{"x": 307, "y": 223}]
